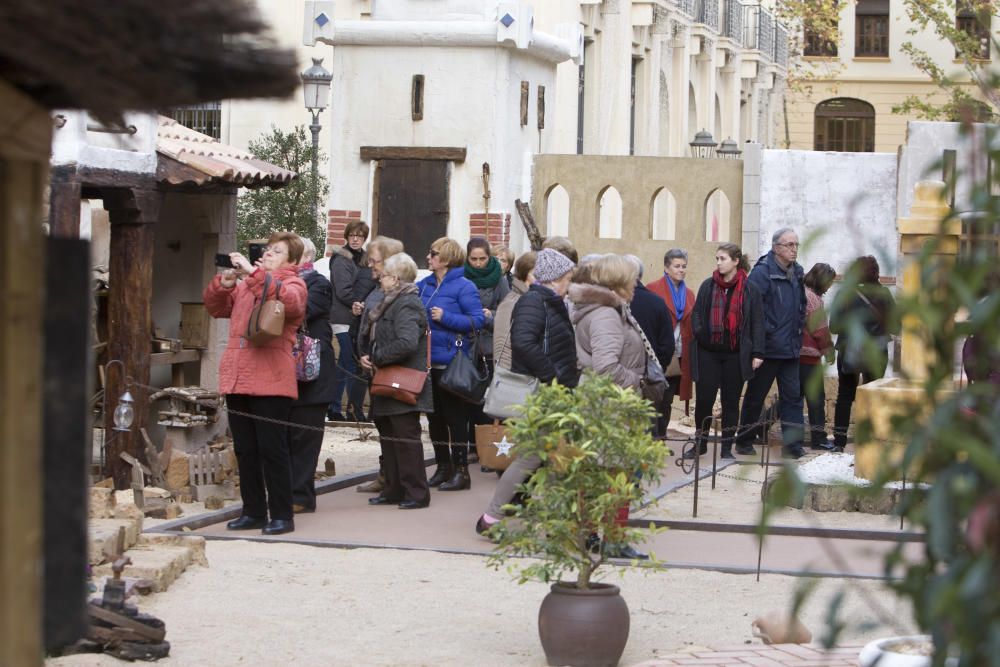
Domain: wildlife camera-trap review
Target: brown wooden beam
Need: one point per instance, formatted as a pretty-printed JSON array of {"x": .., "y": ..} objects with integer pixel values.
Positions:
[
  {"x": 64, "y": 204},
  {"x": 413, "y": 153},
  {"x": 130, "y": 325}
]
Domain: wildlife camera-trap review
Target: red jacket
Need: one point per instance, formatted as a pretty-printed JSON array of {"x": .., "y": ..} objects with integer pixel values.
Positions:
[
  {"x": 257, "y": 371},
  {"x": 659, "y": 288}
]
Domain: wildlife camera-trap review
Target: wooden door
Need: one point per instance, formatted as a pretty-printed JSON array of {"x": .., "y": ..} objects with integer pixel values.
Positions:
[{"x": 411, "y": 203}]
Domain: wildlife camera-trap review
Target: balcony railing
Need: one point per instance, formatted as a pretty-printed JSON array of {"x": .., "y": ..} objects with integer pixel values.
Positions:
[
  {"x": 686, "y": 6},
  {"x": 780, "y": 46},
  {"x": 732, "y": 20},
  {"x": 707, "y": 12}
]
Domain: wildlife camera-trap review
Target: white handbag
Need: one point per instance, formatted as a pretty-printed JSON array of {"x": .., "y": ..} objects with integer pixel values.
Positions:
[{"x": 507, "y": 393}]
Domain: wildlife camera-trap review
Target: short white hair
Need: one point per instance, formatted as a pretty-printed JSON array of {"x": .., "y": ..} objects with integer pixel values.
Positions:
[
  {"x": 308, "y": 250},
  {"x": 401, "y": 266},
  {"x": 638, "y": 263}
]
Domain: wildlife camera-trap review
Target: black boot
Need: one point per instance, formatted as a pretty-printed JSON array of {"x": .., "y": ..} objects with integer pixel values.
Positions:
[
  {"x": 444, "y": 472},
  {"x": 460, "y": 481}
]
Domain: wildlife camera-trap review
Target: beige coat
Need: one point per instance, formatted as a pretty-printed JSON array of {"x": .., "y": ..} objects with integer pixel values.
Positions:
[
  {"x": 501, "y": 324},
  {"x": 605, "y": 340}
]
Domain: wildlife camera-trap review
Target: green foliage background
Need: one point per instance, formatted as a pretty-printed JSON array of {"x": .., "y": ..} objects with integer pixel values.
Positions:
[{"x": 261, "y": 212}]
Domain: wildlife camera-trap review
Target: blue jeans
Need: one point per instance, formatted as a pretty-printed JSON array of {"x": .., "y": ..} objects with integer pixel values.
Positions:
[
  {"x": 786, "y": 372},
  {"x": 347, "y": 367}
]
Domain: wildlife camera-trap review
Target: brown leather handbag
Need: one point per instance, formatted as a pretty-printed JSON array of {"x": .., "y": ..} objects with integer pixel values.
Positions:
[
  {"x": 401, "y": 383},
  {"x": 267, "y": 319}
]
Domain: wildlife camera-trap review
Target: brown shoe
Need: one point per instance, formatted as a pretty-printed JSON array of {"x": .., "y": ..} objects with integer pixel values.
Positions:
[
  {"x": 302, "y": 509},
  {"x": 377, "y": 485}
]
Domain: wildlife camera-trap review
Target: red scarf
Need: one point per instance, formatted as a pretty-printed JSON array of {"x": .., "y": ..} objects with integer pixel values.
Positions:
[{"x": 725, "y": 318}]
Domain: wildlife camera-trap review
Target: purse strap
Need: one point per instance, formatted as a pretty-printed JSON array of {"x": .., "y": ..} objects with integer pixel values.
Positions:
[
  {"x": 650, "y": 353},
  {"x": 258, "y": 305}
]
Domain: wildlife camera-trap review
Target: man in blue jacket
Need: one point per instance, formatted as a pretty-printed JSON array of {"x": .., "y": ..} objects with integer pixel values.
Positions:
[{"x": 778, "y": 278}]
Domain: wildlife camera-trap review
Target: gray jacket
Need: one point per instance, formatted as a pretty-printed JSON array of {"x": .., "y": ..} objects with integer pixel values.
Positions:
[
  {"x": 605, "y": 339},
  {"x": 501, "y": 323},
  {"x": 344, "y": 277},
  {"x": 400, "y": 337}
]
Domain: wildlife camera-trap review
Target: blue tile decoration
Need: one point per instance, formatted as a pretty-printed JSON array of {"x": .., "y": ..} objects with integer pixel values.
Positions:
[
  {"x": 322, "y": 19},
  {"x": 507, "y": 20}
]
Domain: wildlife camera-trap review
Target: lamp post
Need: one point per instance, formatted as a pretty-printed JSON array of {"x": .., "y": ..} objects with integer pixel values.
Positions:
[
  {"x": 703, "y": 144},
  {"x": 316, "y": 90},
  {"x": 729, "y": 149}
]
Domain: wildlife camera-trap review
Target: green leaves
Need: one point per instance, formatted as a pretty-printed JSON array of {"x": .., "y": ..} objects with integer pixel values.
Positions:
[{"x": 595, "y": 442}]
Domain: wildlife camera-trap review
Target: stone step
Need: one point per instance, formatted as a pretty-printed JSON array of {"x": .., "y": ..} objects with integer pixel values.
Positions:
[
  {"x": 103, "y": 537},
  {"x": 160, "y": 558}
]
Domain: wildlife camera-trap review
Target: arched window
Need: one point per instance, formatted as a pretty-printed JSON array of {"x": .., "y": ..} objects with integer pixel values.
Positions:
[
  {"x": 557, "y": 211},
  {"x": 609, "y": 214},
  {"x": 845, "y": 124},
  {"x": 664, "y": 216},
  {"x": 717, "y": 217}
]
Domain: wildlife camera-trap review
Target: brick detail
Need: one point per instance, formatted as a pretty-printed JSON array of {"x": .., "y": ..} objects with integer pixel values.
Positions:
[
  {"x": 499, "y": 227},
  {"x": 756, "y": 655},
  {"x": 337, "y": 221}
]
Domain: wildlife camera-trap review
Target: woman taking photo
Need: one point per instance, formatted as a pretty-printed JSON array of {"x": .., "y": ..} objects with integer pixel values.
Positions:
[
  {"x": 455, "y": 313},
  {"x": 680, "y": 302},
  {"x": 309, "y": 409},
  {"x": 399, "y": 337},
  {"x": 259, "y": 381},
  {"x": 816, "y": 345},
  {"x": 728, "y": 325},
  {"x": 542, "y": 346},
  {"x": 863, "y": 316},
  {"x": 379, "y": 250}
]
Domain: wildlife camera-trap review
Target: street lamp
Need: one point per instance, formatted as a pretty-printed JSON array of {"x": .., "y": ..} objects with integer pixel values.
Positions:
[
  {"x": 729, "y": 149},
  {"x": 703, "y": 144},
  {"x": 316, "y": 91}
]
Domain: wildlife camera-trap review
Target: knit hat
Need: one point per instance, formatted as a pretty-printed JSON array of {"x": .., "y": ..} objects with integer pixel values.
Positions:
[{"x": 551, "y": 265}]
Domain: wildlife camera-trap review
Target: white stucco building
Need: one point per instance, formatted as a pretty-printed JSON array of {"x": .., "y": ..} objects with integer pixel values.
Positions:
[{"x": 449, "y": 85}]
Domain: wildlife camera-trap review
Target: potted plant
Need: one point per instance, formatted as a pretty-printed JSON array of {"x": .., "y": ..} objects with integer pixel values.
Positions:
[{"x": 595, "y": 441}]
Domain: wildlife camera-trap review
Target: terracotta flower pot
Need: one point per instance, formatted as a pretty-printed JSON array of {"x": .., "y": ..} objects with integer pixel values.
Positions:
[{"x": 583, "y": 627}]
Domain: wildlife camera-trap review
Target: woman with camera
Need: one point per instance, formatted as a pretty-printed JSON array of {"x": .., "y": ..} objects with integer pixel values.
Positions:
[
  {"x": 259, "y": 381},
  {"x": 398, "y": 326}
]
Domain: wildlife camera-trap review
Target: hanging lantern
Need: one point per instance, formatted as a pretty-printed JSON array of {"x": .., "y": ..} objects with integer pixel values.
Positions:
[{"x": 124, "y": 413}]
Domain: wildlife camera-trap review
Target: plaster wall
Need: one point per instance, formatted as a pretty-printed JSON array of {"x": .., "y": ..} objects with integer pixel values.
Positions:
[
  {"x": 843, "y": 205},
  {"x": 77, "y": 142},
  {"x": 638, "y": 180}
]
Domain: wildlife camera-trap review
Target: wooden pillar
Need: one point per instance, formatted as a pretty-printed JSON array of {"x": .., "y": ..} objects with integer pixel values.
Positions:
[
  {"x": 130, "y": 326},
  {"x": 64, "y": 204},
  {"x": 24, "y": 157}
]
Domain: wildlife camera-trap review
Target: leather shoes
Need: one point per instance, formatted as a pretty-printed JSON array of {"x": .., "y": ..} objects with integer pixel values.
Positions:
[
  {"x": 246, "y": 523},
  {"x": 460, "y": 481},
  {"x": 690, "y": 454},
  {"x": 443, "y": 473},
  {"x": 278, "y": 527},
  {"x": 727, "y": 454},
  {"x": 626, "y": 551},
  {"x": 413, "y": 504},
  {"x": 822, "y": 446},
  {"x": 792, "y": 452},
  {"x": 382, "y": 500},
  {"x": 745, "y": 450}
]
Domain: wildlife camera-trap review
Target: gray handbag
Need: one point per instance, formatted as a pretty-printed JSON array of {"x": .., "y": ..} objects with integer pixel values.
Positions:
[{"x": 508, "y": 390}]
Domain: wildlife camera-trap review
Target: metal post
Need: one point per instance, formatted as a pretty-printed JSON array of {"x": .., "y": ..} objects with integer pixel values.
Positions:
[
  {"x": 697, "y": 475},
  {"x": 315, "y": 128}
]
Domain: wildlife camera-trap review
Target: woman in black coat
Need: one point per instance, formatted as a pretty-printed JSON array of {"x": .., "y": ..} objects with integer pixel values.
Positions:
[
  {"x": 314, "y": 396},
  {"x": 399, "y": 337},
  {"x": 543, "y": 345},
  {"x": 728, "y": 324}
]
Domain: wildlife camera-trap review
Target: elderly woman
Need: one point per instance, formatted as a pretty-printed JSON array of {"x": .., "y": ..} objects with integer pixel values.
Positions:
[
  {"x": 380, "y": 249},
  {"x": 542, "y": 346},
  {"x": 348, "y": 272},
  {"x": 455, "y": 311},
  {"x": 259, "y": 381},
  {"x": 309, "y": 409},
  {"x": 680, "y": 302},
  {"x": 608, "y": 339},
  {"x": 399, "y": 337}
]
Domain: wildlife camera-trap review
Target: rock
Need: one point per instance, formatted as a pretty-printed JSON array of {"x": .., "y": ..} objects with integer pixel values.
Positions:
[
  {"x": 103, "y": 544},
  {"x": 155, "y": 492},
  {"x": 331, "y": 467},
  {"x": 177, "y": 473},
  {"x": 195, "y": 544},
  {"x": 128, "y": 511},
  {"x": 165, "y": 511},
  {"x": 229, "y": 465},
  {"x": 214, "y": 503},
  {"x": 102, "y": 502},
  {"x": 777, "y": 627}
]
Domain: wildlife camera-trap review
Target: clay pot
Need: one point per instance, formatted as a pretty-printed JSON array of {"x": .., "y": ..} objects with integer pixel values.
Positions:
[
  {"x": 583, "y": 627},
  {"x": 912, "y": 651}
]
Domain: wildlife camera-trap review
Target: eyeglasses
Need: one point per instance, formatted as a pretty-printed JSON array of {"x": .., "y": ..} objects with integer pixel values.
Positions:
[
  {"x": 357, "y": 236},
  {"x": 789, "y": 244},
  {"x": 433, "y": 253},
  {"x": 275, "y": 250},
  {"x": 374, "y": 262}
]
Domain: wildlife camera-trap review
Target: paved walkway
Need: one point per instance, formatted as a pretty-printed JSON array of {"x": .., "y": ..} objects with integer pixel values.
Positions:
[{"x": 754, "y": 655}]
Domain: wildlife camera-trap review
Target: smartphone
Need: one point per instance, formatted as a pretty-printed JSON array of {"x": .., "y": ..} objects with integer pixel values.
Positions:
[
  {"x": 223, "y": 261},
  {"x": 255, "y": 251}
]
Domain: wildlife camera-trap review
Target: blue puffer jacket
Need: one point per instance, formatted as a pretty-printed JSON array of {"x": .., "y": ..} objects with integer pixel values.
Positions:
[
  {"x": 463, "y": 312},
  {"x": 784, "y": 304}
]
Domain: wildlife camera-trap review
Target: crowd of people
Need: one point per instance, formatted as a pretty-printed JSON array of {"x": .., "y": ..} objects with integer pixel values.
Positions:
[{"x": 547, "y": 316}]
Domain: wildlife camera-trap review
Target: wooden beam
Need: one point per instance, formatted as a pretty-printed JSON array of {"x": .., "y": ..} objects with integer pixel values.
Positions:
[
  {"x": 452, "y": 154},
  {"x": 24, "y": 167},
  {"x": 130, "y": 320},
  {"x": 64, "y": 204}
]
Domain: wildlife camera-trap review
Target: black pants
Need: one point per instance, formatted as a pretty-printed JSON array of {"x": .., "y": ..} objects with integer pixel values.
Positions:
[
  {"x": 811, "y": 381},
  {"x": 847, "y": 389},
  {"x": 718, "y": 371},
  {"x": 666, "y": 407},
  {"x": 304, "y": 445},
  {"x": 449, "y": 423},
  {"x": 403, "y": 457},
  {"x": 262, "y": 455},
  {"x": 786, "y": 372}
]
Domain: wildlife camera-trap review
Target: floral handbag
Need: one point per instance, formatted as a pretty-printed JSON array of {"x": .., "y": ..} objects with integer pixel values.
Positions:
[{"x": 305, "y": 352}]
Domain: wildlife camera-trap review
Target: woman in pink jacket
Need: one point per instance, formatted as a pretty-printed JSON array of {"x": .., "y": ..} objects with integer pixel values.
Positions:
[{"x": 260, "y": 381}]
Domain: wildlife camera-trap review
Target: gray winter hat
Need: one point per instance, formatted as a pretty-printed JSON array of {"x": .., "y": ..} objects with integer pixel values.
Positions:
[{"x": 551, "y": 265}]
